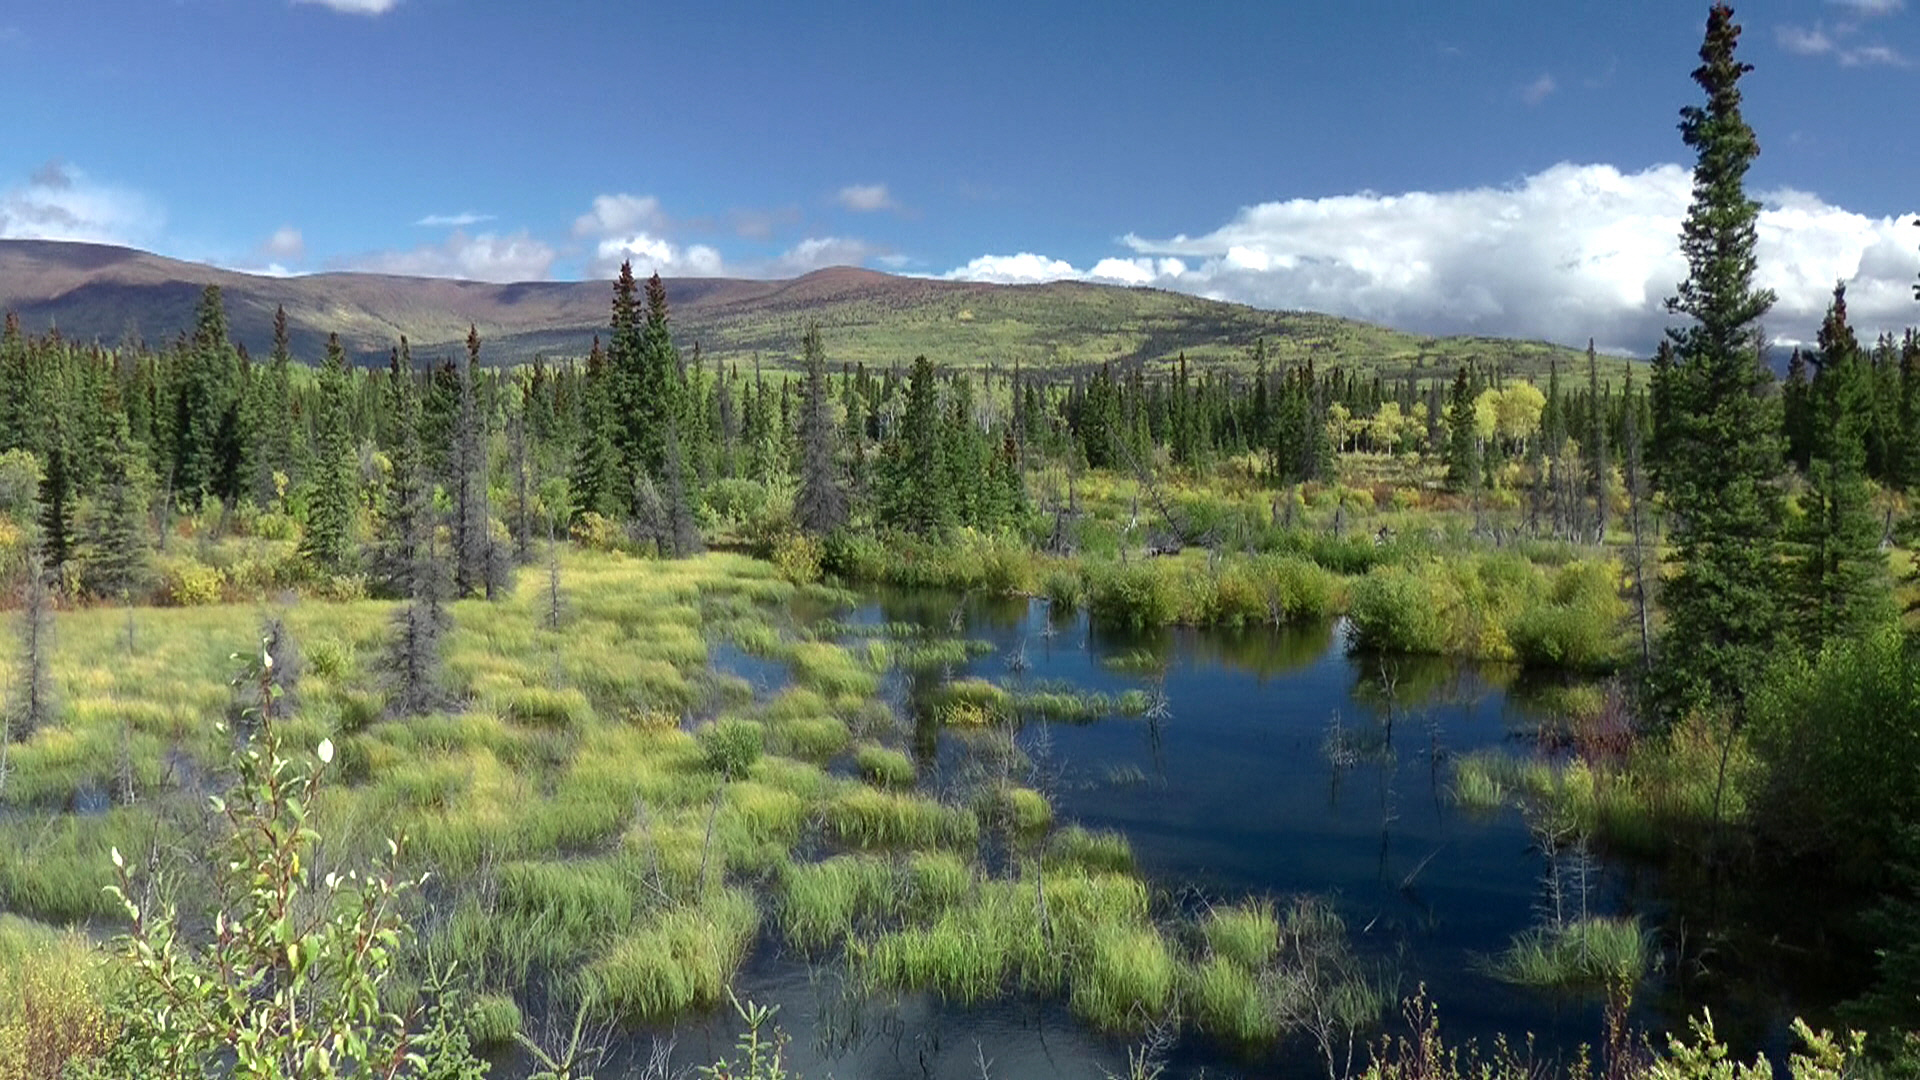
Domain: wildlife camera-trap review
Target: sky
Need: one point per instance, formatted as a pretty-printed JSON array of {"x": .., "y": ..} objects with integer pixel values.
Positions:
[{"x": 1503, "y": 168}]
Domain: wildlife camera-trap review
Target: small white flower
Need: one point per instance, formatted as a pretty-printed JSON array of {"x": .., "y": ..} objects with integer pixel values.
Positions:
[
  {"x": 266, "y": 660},
  {"x": 326, "y": 751},
  {"x": 118, "y": 862}
]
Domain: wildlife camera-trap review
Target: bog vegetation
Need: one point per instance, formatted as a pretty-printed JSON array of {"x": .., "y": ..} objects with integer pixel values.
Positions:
[{"x": 423, "y": 653}]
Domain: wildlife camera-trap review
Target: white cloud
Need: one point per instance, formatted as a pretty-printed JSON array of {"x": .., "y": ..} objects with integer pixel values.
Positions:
[
  {"x": 356, "y": 7},
  {"x": 453, "y": 221},
  {"x": 818, "y": 253},
  {"x": 1538, "y": 90},
  {"x": 1871, "y": 8},
  {"x": 60, "y": 202},
  {"x": 483, "y": 257},
  {"x": 1572, "y": 252},
  {"x": 866, "y": 198},
  {"x": 651, "y": 254},
  {"x": 1025, "y": 268},
  {"x": 622, "y": 213},
  {"x": 1816, "y": 41},
  {"x": 286, "y": 242}
]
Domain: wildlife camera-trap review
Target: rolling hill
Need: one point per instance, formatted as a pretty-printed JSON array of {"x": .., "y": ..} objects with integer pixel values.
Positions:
[{"x": 93, "y": 292}]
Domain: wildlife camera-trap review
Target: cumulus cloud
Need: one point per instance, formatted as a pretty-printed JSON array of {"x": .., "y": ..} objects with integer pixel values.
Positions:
[
  {"x": 356, "y": 7},
  {"x": 1538, "y": 90},
  {"x": 1572, "y": 252},
  {"x": 622, "y": 213},
  {"x": 453, "y": 221},
  {"x": 61, "y": 202},
  {"x": 651, "y": 254},
  {"x": 866, "y": 198},
  {"x": 493, "y": 257},
  {"x": 1025, "y": 268}
]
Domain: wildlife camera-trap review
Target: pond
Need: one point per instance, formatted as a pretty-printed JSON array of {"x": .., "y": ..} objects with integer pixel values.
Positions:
[{"x": 1267, "y": 764}]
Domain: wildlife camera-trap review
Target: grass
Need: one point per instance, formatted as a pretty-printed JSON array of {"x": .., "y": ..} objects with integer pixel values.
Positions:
[
  {"x": 822, "y": 903},
  {"x": 1227, "y": 1001},
  {"x": 673, "y": 960},
  {"x": 863, "y": 817},
  {"x": 1247, "y": 935},
  {"x": 1592, "y": 953},
  {"x": 493, "y": 1020},
  {"x": 885, "y": 768},
  {"x": 1087, "y": 850}
]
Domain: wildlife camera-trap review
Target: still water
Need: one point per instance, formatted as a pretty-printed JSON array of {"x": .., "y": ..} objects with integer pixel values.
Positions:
[{"x": 1274, "y": 763}]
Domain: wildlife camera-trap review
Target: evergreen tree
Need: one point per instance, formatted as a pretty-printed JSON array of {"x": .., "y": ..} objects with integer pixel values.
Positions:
[
  {"x": 1463, "y": 448},
  {"x": 474, "y": 558},
  {"x": 1796, "y": 409},
  {"x": 409, "y": 495},
  {"x": 56, "y": 506},
  {"x": 1598, "y": 468},
  {"x": 202, "y": 396},
  {"x": 116, "y": 533},
  {"x": 916, "y": 498},
  {"x": 1842, "y": 583},
  {"x": 596, "y": 478},
  {"x": 821, "y": 505},
  {"x": 30, "y": 701},
  {"x": 1719, "y": 439},
  {"x": 328, "y": 540}
]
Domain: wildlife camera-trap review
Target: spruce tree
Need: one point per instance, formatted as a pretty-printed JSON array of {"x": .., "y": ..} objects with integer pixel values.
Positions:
[
  {"x": 29, "y": 703},
  {"x": 916, "y": 498},
  {"x": 1796, "y": 411},
  {"x": 1718, "y": 438},
  {"x": 116, "y": 533},
  {"x": 474, "y": 558},
  {"x": 409, "y": 495},
  {"x": 821, "y": 505},
  {"x": 1840, "y": 587},
  {"x": 597, "y": 482},
  {"x": 328, "y": 540},
  {"x": 1599, "y": 470},
  {"x": 1463, "y": 457},
  {"x": 56, "y": 506}
]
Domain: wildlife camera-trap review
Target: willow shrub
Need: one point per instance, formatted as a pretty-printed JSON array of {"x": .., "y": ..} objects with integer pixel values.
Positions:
[{"x": 1838, "y": 735}]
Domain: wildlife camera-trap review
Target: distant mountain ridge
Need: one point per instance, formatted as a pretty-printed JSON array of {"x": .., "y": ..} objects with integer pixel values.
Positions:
[{"x": 96, "y": 292}]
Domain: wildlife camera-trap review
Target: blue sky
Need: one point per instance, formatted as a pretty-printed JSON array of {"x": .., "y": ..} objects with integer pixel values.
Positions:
[{"x": 1512, "y": 168}]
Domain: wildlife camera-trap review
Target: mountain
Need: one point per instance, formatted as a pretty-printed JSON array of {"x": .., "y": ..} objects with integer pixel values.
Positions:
[{"x": 94, "y": 292}]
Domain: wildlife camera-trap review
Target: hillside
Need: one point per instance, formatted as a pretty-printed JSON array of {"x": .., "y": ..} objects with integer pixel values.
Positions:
[{"x": 109, "y": 294}]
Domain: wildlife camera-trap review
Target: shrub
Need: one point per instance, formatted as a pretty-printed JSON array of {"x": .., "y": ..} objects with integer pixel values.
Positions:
[
  {"x": 731, "y": 745},
  {"x": 186, "y": 583},
  {"x": 1395, "y": 609},
  {"x": 1138, "y": 595}
]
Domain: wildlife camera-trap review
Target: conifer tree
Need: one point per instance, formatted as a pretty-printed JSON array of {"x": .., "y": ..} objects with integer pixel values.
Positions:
[
  {"x": 328, "y": 540},
  {"x": 596, "y": 478},
  {"x": 30, "y": 700},
  {"x": 1841, "y": 585},
  {"x": 474, "y": 558},
  {"x": 916, "y": 498},
  {"x": 1598, "y": 467},
  {"x": 408, "y": 502},
  {"x": 116, "y": 533},
  {"x": 56, "y": 506},
  {"x": 1463, "y": 456},
  {"x": 1796, "y": 409},
  {"x": 202, "y": 396},
  {"x": 821, "y": 505},
  {"x": 1719, "y": 439}
]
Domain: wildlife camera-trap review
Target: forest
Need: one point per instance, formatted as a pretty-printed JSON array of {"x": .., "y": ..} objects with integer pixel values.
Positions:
[{"x": 525, "y": 707}]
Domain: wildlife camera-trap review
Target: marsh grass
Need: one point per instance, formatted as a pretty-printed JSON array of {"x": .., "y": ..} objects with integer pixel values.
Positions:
[
  {"x": 673, "y": 959},
  {"x": 1247, "y": 934},
  {"x": 1594, "y": 953},
  {"x": 885, "y": 768},
  {"x": 822, "y": 904}
]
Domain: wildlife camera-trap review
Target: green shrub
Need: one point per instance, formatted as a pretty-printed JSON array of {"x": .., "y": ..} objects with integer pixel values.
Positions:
[
  {"x": 1398, "y": 610},
  {"x": 493, "y": 1020},
  {"x": 731, "y": 745}
]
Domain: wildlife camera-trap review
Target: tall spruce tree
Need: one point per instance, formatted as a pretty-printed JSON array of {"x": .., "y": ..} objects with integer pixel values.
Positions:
[
  {"x": 328, "y": 540},
  {"x": 474, "y": 558},
  {"x": 116, "y": 544},
  {"x": 915, "y": 496},
  {"x": 1463, "y": 450},
  {"x": 595, "y": 481},
  {"x": 1841, "y": 586},
  {"x": 1599, "y": 469},
  {"x": 1719, "y": 444},
  {"x": 56, "y": 505},
  {"x": 821, "y": 505}
]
